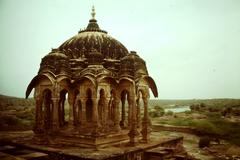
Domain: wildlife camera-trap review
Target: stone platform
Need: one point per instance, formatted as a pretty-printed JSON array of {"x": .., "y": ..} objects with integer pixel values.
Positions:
[
  {"x": 121, "y": 151},
  {"x": 85, "y": 140}
]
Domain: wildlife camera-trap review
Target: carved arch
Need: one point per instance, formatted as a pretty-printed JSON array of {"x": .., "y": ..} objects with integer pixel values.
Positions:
[
  {"x": 152, "y": 85},
  {"x": 35, "y": 81}
]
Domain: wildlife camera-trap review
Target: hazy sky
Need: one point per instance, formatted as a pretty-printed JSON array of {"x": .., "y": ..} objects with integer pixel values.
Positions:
[{"x": 191, "y": 47}]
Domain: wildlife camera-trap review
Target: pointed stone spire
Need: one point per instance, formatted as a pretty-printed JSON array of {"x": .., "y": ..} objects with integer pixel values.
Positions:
[
  {"x": 92, "y": 25},
  {"x": 93, "y": 12}
]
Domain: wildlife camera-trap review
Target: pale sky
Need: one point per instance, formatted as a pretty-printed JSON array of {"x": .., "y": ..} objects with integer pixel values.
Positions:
[{"x": 191, "y": 47}]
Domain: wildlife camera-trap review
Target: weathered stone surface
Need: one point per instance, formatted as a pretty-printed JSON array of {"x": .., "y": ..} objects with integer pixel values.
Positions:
[
  {"x": 120, "y": 151},
  {"x": 96, "y": 75}
]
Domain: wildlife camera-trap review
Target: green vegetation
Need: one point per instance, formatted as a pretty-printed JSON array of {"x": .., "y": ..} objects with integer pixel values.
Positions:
[
  {"x": 11, "y": 122},
  {"x": 204, "y": 142},
  {"x": 212, "y": 125},
  {"x": 16, "y": 113},
  {"x": 157, "y": 111},
  {"x": 211, "y": 103},
  {"x": 169, "y": 113}
]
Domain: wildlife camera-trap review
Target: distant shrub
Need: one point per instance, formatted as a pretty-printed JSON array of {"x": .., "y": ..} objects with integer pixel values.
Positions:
[
  {"x": 206, "y": 127},
  {"x": 154, "y": 114},
  {"x": 211, "y": 109},
  {"x": 188, "y": 112},
  {"x": 27, "y": 115},
  {"x": 169, "y": 113},
  {"x": 195, "y": 107},
  {"x": 204, "y": 142},
  {"x": 202, "y": 105},
  {"x": 236, "y": 112},
  {"x": 9, "y": 120},
  {"x": 228, "y": 111},
  {"x": 157, "y": 112}
]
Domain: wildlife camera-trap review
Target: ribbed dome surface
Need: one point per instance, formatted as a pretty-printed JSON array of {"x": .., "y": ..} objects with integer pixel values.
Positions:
[
  {"x": 93, "y": 37},
  {"x": 83, "y": 42}
]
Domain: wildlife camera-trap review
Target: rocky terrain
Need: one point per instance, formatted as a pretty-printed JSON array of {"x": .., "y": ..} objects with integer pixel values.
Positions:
[
  {"x": 213, "y": 117},
  {"x": 16, "y": 113}
]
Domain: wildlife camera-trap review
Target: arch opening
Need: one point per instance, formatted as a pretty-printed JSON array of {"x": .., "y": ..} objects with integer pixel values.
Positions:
[
  {"x": 140, "y": 108},
  {"x": 101, "y": 102},
  {"x": 63, "y": 108},
  {"x": 125, "y": 109},
  {"x": 89, "y": 106}
]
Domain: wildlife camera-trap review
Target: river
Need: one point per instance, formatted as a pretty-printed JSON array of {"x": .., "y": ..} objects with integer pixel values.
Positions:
[{"x": 178, "y": 109}]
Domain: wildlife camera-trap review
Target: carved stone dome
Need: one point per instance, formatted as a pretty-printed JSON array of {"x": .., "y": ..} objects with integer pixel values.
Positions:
[
  {"x": 96, "y": 74},
  {"x": 55, "y": 62},
  {"x": 133, "y": 65},
  {"x": 93, "y": 37}
]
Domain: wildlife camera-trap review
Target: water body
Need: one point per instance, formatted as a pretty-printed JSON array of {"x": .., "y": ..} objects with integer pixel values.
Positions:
[{"x": 178, "y": 109}]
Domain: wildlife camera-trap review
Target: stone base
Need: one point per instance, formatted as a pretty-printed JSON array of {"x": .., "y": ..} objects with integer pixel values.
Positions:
[
  {"x": 75, "y": 138},
  {"x": 123, "y": 151},
  {"x": 89, "y": 141}
]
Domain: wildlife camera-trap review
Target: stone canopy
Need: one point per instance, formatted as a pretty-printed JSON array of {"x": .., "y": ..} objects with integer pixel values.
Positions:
[{"x": 91, "y": 92}]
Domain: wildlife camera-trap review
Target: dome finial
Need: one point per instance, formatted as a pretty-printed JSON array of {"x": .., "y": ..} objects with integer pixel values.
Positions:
[{"x": 93, "y": 12}]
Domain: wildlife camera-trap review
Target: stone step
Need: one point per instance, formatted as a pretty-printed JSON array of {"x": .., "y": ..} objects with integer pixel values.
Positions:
[
  {"x": 8, "y": 152},
  {"x": 34, "y": 155},
  {"x": 7, "y": 148},
  {"x": 5, "y": 156}
]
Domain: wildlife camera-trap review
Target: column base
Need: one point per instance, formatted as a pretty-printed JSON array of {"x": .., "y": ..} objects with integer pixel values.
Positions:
[
  {"x": 146, "y": 130},
  {"x": 38, "y": 129},
  {"x": 40, "y": 139},
  {"x": 123, "y": 124},
  {"x": 133, "y": 133},
  {"x": 55, "y": 128},
  {"x": 117, "y": 128},
  {"x": 96, "y": 130}
]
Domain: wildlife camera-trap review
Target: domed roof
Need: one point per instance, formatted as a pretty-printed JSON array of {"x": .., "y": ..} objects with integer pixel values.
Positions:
[
  {"x": 93, "y": 37},
  {"x": 56, "y": 53},
  {"x": 132, "y": 56},
  {"x": 55, "y": 62}
]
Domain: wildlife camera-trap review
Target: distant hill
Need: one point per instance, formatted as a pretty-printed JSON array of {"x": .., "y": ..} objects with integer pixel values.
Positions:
[
  {"x": 209, "y": 102},
  {"x": 16, "y": 113},
  {"x": 15, "y": 101},
  {"x": 6, "y": 101}
]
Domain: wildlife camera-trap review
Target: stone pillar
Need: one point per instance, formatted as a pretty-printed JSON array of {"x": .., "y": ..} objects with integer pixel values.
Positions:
[
  {"x": 123, "y": 116},
  {"x": 71, "y": 108},
  {"x": 55, "y": 119},
  {"x": 79, "y": 105},
  {"x": 38, "y": 128},
  {"x": 145, "y": 124},
  {"x": 133, "y": 133},
  {"x": 83, "y": 113},
  {"x": 116, "y": 114},
  {"x": 75, "y": 113},
  {"x": 95, "y": 110},
  {"x": 95, "y": 120},
  {"x": 106, "y": 117},
  {"x": 63, "y": 111},
  {"x": 129, "y": 113},
  {"x": 110, "y": 108},
  {"x": 138, "y": 113},
  {"x": 101, "y": 109},
  {"x": 48, "y": 114}
]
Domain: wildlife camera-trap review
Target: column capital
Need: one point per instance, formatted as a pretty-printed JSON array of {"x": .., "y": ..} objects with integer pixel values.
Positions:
[
  {"x": 83, "y": 100},
  {"x": 94, "y": 99},
  {"x": 55, "y": 99}
]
